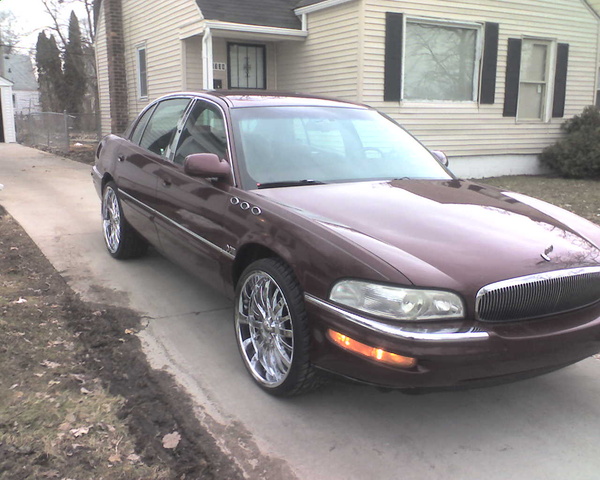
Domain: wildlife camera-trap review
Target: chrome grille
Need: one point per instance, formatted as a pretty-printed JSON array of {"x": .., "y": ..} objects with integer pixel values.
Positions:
[{"x": 538, "y": 295}]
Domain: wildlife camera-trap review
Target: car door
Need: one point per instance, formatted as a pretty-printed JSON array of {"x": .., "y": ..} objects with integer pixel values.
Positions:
[
  {"x": 138, "y": 161},
  {"x": 190, "y": 224}
]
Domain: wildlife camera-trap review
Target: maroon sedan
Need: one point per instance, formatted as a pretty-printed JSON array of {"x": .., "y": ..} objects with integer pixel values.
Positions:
[{"x": 348, "y": 247}]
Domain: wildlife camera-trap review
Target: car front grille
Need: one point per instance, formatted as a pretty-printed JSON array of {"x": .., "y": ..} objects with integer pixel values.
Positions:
[{"x": 538, "y": 295}]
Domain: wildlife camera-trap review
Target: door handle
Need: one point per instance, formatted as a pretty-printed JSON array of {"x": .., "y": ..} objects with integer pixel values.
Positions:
[
  {"x": 121, "y": 158},
  {"x": 166, "y": 183}
]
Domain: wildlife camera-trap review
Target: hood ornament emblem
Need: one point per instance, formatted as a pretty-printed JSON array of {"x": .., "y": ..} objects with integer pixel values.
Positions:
[{"x": 547, "y": 252}]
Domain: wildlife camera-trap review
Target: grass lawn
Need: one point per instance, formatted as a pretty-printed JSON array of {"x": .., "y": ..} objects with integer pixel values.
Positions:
[{"x": 579, "y": 196}]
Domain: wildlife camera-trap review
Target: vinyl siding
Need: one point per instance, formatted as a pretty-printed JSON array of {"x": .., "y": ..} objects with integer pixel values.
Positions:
[
  {"x": 26, "y": 101},
  {"x": 463, "y": 129},
  {"x": 192, "y": 66},
  {"x": 102, "y": 72},
  {"x": 328, "y": 62},
  {"x": 8, "y": 114},
  {"x": 158, "y": 27}
]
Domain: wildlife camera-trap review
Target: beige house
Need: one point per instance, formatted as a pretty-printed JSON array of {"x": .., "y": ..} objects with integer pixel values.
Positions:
[{"x": 488, "y": 82}]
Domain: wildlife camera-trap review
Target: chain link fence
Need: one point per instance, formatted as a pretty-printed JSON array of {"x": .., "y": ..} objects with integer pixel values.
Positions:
[{"x": 57, "y": 131}]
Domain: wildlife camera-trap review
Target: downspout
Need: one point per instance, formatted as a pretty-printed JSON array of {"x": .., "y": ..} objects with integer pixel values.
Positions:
[
  {"x": 207, "y": 60},
  {"x": 597, "y": 72}
]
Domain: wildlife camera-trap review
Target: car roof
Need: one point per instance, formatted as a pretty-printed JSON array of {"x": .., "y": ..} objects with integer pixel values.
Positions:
[{"x": 256, "y": 98}]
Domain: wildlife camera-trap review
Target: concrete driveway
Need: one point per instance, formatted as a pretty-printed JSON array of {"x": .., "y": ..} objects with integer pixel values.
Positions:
[{"x": 544, "y": 428}]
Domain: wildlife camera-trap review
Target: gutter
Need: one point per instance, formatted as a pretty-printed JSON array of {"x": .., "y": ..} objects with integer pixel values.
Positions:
[
  {"x": 256, "y": 29},
  {"x": 319, "y": 6}
]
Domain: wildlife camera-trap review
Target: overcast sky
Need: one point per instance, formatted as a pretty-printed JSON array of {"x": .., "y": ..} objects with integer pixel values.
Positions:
[{"x": 32, "y": 18}]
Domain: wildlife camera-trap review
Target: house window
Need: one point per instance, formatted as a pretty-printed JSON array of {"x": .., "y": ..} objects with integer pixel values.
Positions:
[
  {"x": 441, "y": 61},
  {"x": 536, "y": 79},
  {"x": 533, "y": 85},
  {"x": 142, "y": 72},
  {"x": 247, "y": 66}
]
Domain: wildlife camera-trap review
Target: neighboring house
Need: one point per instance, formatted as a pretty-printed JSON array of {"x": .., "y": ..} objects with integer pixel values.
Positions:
[
  {"x": 7, "y": 113},
  {"x": 489, "y": 82},
  {"x": 19, "y": 70}
]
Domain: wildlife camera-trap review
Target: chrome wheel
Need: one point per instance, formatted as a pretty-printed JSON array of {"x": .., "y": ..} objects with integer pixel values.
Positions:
[
  {"x": 111, "y": 219},
  {"x": 264, "y": 329}
]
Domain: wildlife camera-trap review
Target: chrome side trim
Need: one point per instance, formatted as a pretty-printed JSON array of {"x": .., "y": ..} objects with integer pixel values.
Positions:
[
  {"x": 179, "y": 226},
  {"x": 392, "y": 330}
]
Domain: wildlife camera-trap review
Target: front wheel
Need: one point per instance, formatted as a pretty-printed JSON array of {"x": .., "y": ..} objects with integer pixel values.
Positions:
[
  {"x": 121, "y": 240},
  {"x": 272, "y": 329}
]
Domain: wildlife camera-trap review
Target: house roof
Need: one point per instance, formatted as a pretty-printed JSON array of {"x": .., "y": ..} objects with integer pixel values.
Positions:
[
  {"x": 272, "y": 13},
  {"x": 306, "y": 3},
  {"x": 4, "y": 82},
  {"x": 18, "y": 69}
]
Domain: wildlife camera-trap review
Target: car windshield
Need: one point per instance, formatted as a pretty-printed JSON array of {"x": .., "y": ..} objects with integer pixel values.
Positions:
[{"x": 286, "y": 146}]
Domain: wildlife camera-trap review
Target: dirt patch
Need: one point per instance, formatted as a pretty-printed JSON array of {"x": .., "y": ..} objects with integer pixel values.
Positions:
[
  {"x": 78, "y": 398},
  {"x": 79, "y": 152}
]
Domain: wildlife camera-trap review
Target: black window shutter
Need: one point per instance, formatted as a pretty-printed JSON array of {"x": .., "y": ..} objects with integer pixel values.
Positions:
[
  {"x": 392, "y": 83},
  {"x": 490, "y": 60},
  {"x": 511, "y": 85},
  {"x": 560, "y": 80}
]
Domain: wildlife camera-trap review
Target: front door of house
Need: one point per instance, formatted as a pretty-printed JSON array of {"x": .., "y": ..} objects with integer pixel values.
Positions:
[{"x": 247, "y": 66}]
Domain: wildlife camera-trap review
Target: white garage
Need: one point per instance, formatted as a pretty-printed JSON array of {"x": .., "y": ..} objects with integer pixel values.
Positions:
[{"x": 7, "y": 114}]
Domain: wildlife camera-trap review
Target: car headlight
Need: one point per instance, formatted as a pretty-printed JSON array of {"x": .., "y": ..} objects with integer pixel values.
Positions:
[{"x": 397, "y": 303}]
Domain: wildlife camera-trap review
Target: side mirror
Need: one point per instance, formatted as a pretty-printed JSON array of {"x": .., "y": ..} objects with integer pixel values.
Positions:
[
  {"x": 206, "y": 165},
  {"x": 441, "y": 156}
]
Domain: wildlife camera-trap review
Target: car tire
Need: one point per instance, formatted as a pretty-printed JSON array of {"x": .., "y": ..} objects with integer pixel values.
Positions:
[
  {"x": 272, "y": 330},
  {"x": 121, "y": 240}
]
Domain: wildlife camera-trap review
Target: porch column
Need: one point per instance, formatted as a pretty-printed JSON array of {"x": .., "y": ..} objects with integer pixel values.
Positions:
[{"x": 207, "y": 60}]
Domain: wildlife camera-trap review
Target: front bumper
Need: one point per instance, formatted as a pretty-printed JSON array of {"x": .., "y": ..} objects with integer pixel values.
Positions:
[{"x": 484, "y": 354}]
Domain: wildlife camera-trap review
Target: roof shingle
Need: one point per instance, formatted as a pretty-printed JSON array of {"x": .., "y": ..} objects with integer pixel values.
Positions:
[{"x": 272, "y": 13}]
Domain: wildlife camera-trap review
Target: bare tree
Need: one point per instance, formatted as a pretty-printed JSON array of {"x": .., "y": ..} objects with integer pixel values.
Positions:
[
  {"x": 9, "y": 37},
  {"x": 55, "y": 10}
]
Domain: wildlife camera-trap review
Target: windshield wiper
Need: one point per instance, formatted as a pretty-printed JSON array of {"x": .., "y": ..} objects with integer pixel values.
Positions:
[{"x": 289, "y": 183}]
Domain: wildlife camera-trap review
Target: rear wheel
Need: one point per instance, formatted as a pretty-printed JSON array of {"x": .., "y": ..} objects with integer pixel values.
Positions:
[
  {"x": 121, "y": 240},
  {"x": 272, "y": 329}
]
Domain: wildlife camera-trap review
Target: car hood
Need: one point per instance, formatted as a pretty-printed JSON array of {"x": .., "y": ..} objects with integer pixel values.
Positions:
[{"x": 451, "y": 234}]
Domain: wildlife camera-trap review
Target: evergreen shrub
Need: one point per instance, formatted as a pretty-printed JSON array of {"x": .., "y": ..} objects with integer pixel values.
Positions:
[{"x": 577, "y": 154}]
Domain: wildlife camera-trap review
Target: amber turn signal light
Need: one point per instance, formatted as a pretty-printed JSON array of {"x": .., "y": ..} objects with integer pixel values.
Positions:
[{"x": 373, "y": 353}]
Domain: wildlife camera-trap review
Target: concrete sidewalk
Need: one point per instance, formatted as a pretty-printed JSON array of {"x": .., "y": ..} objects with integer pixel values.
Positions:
[{"x": 544, "y": 428}]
